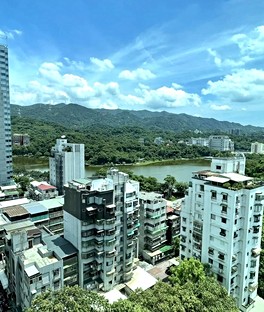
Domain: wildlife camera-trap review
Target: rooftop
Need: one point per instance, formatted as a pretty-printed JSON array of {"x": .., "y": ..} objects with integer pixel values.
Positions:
[
  {"x": 53, "y": 202},
  {"x": 141, "y": 279},
  {"x": 17, "y": 226},
  {"x": 14, "y": 202},
  {"x": 59, "y": 245},
  {"x": 33, "y": 256},
  {"x": 15, "y": 211},
  {"x": 45, "y": 187},
  {"x": 35, "y": 208},
  {"x": 149, "y": 196}
]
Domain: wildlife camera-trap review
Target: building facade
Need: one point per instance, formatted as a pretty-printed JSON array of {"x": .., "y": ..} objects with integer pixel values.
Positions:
[
  {"x": 221, "y": 143},
  {"x": 221, "y": 222},
  {"x": 152, "y": 230},
  {"x": 257, "y": 148},
  {"x": 37, "y": 261},
  {"x": 6, "y": 171},
  {"x": 66, "y": 163},
  {"x": 101, "y": 219}
]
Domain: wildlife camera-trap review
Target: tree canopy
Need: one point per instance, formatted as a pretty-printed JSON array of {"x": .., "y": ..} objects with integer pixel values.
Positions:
[{"x": 187, "y": 291}]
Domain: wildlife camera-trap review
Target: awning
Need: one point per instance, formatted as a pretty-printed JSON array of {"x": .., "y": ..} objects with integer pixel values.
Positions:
[{"x": 3, "y": 279}]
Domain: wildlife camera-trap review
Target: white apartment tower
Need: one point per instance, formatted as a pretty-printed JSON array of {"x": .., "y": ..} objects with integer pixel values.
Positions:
[
  {"x": 101, "y": 219},
  {"x": 66, "y": 163},
  {"x": 221, "y": 143},
  {"x": 221, "y": 222},
  {"x": 6, "y": 171},
  {"x": 257, "y": 148}
]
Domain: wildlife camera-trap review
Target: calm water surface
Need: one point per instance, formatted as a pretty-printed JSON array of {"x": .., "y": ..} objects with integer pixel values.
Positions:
[{"x": 182, "y": 172}]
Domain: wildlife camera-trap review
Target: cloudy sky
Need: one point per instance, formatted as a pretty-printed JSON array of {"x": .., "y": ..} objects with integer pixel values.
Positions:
[{"x": 200, "y": 57}]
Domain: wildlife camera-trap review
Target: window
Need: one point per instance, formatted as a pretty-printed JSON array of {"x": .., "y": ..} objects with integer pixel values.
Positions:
[
  {"x": 220, "y": 278},
  {"x": 252, "y": 275},
  {"x": 212, "y": 216},
  {"x": 224, "y": 197},
  {"x": 224, "y": 209},
  {"x": 222, "y": 232},
  {"x": 218, "y": 167},
  {"x": 221, "y": 266},
  {"x": 183, "y": 219},
  {"x": 211, "y": 261},
  {"x": 221, "y": 256},
  {"x": 201, "y": 188},
  {"x": 210, "y": 251},
  {"x": 184, "y": 228},
  {"x": 223, "y": 220},
  {"x": 213, "y": 196}
]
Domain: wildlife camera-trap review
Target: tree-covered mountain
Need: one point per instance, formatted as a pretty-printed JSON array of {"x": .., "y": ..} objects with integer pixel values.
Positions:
[{"x": 77, "y": 116}]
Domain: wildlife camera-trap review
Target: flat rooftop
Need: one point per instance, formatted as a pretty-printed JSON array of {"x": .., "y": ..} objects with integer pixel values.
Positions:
[
  {"x": 15, "y": 211},
  {"x": 149, "y": 196},
  {"x": 32, "y": 256}
]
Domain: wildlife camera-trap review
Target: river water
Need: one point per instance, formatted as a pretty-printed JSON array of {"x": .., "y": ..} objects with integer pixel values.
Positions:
[{"x": 182, "y": 171}]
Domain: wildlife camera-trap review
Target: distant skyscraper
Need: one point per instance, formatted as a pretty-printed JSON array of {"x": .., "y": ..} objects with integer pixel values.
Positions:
[
  {"x": 6, "y": 171},
  {"x": 66, "y": 163}
]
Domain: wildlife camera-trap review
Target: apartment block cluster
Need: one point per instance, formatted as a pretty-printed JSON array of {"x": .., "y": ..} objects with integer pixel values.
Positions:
[
  {"x": 217, "y": 142},
  {"x": 93, "y": 231}
]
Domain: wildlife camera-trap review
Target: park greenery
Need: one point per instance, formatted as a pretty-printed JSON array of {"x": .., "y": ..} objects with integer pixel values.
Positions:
[{"x": 191, "y": 288}]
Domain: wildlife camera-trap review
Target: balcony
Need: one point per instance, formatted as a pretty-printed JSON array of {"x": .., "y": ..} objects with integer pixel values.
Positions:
[
  {"x": 234, "y": 269},
  {"x": 110, "y": 272},
  {"x": 110, "y": 254},
  {"x": 252, "y": 286},
  {"x": 255, "y": 252},
  {"x": 91, "y": 211}
]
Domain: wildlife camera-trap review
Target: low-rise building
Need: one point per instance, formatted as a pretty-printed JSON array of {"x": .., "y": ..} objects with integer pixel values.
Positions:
[
  {"x": 37, "y": 261},
  {"x": 42, "y": 190}
]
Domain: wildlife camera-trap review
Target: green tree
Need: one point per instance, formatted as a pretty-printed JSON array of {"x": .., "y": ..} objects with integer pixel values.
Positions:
[
  {"x": 168, "y": 186},
  {"x": 69, "y": 299},
  {"x": 190, "y": 270}
]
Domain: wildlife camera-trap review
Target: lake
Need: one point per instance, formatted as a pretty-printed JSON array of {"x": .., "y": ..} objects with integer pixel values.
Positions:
[{"x": 181, "y": 170}]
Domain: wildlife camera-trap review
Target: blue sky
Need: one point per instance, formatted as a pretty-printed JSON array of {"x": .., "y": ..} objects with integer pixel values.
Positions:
[{"x": 204, "y": 58}]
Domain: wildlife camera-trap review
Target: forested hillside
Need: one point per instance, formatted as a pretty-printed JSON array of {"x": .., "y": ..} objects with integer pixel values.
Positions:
[
  {"x": 77, "y": 116},
  {"x": 105, "y": 144}
]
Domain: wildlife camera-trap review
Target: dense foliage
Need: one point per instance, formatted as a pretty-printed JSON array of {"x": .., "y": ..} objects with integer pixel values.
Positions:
[
  {"x": 107, "y": 145},
  {"x": 190, "y": 289},
  {"x": 77, "y": 116}
]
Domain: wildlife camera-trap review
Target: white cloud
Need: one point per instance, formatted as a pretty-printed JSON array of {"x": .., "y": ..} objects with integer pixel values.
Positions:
[
  {"x": 220, "y": 107},
  {"x": 10, "y": 34},
  {"x": 242, "y": 86},
  {"x": 251, "y": 43},
  {"x": 137, "y": 74},
  {"x": 161, "y": 98},
  {"x": 51, "y": 71},
  {"x": 102, "y": 65}
]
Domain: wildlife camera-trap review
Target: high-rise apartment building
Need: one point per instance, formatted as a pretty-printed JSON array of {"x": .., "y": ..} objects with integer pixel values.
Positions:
[
  {"x": 66, "y": 163},
  {"x": 101, "y": 219},
  {"x": 6, "y": 171},
  {"x": 221, "y": 222},
  {"x": 153, "y": 227}
]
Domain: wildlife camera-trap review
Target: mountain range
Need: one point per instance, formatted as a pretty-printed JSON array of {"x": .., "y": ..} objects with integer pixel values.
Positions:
[{"x": 77, "y": 117}]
